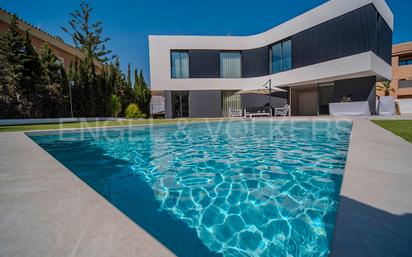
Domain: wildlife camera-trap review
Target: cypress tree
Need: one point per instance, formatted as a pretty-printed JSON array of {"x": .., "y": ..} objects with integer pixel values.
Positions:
[
  {"x": 32, "y": 80},
  {"x": 142, "y": 93},
  {"x": 54, "y": 80}
]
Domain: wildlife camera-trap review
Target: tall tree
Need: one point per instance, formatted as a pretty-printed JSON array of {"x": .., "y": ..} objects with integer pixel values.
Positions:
[
  {"x": 87, "y": 35},
  {"x": 31, "y": 87},
  {"x": 12, "y": 58},
  {"x": 142, "y": 93},
  {"x": 129, "y": 96},
  {"x": 55, "y": 81}
]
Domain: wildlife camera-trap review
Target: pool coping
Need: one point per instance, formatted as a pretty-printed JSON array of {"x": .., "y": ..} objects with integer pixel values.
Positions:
[{"x": 44, "y": 207}]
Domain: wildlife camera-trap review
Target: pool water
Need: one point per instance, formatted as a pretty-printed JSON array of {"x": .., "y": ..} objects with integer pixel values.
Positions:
[{"x": 218, "y": 189}]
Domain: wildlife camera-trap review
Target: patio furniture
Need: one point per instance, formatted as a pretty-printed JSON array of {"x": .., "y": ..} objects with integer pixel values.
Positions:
[
  {"x": 282, "y": 111},
  {"x": 256, "y": 112},
  {"x": 360, "y": 108},
  {"x": 235, "y": 112}
]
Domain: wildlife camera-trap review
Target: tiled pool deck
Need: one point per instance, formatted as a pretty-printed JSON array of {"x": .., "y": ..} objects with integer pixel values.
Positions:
[{"x": 47, "y": 211}]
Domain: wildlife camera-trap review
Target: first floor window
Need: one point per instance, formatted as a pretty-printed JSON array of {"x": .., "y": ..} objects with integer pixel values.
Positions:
[
  {"x": 180, "y": 64},
  {"x": 404, "y": 62},
  {"x": 281, "y": 56},
  {"x": 230, "y": 64}
]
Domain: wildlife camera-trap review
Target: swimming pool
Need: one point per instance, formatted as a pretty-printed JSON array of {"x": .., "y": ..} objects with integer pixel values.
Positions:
[{"x": 218, "y": 189}]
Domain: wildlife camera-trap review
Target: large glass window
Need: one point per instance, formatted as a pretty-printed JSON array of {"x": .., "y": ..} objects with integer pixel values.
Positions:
[
  {"x": 231, "y": 104},
  {"x": 281, "y": 57},
  {"x": 180, "y": 102},
  {"x": 180, "y": 64},
  {"x": 326, "y": 95},
  {"x": 230, "y": 65},
  {"x": 276, "y": 58}
]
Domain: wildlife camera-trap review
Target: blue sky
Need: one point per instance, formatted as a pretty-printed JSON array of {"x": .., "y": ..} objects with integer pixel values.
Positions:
[{"x": 129, "y": 23}]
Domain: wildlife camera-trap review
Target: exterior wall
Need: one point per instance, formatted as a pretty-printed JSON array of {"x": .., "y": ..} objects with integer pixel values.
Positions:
[
  {"x": 168, "y": 105},
  {"x": 65, "y": 52},
  {"x": 357, "y": 59},
  {"x": 356, "y": 32},
  {"x": 308, "y": 102},
  {"x": 360, "y": 89},
  {"x": 255, "y": 62},
  {"x": 37, "y": 42},
  {"x": 64, "y": 56},
  {"x": 401, "y": 72},
  {"x": 205, "y": 104}
]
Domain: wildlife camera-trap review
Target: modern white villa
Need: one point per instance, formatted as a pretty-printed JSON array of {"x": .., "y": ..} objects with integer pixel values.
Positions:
[{"x": 336, "y": 51}]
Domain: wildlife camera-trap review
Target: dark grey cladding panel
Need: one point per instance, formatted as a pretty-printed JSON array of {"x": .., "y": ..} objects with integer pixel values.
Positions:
[
  {"x": 205, "y": 104},
  {"x": 255, "y": 62},
  {"x": 168, "y": 104},
  {"x": 349, "y": 34},
  {"x": 356, "y": 32},
  {"x": 359, "y": 89},
  {"x": 384, "y": 40},
  {"x": 204, "y": 63}
]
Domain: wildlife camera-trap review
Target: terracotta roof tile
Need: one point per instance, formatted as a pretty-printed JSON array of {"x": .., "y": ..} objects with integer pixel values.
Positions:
[{"x": 401, "y": 48}]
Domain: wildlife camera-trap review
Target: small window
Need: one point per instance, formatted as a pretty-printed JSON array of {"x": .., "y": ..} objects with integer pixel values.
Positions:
[
  {"x": 404, "y": 62},
  {"x": 230, "y": 64},
  {"x": 281, "y": 56},
  {"x": 180, "y": 64},
  {"x": 404, "y": 83}
]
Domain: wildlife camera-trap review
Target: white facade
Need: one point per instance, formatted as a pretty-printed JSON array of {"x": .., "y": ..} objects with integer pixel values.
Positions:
[{"x": 364, "y": 64}]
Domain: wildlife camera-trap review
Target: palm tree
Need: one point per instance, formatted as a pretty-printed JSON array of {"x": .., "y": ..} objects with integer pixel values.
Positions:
[{"x": 385, "y": 87}]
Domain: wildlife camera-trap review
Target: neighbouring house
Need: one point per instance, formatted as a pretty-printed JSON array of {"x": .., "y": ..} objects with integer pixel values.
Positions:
[
  {"x": 402, "y": 70},
  {"x": 335, "y": 51},
  {"x": 65, "y": 52}
]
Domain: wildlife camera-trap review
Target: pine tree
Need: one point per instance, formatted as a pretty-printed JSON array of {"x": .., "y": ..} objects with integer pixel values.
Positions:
[
  {"x": 87, "y": 36},
  {"x": 11, "y": 68}
]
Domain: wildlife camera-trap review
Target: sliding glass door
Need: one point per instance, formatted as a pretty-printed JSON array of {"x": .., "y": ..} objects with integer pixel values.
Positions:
[
  {"x": 180, "y": 102},
  {"x": 326, "y": 95}
]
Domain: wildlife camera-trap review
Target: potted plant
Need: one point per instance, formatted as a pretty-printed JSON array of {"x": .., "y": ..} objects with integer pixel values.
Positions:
[{"x": 386, "y": 105}]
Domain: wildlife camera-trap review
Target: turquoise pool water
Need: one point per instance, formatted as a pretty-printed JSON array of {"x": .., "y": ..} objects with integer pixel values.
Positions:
[{"x": 218, "y": 189}]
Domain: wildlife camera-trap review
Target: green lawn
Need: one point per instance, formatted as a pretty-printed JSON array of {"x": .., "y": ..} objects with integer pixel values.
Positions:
[
  {"x": 402, "y": 128},
  {"x": 91, "y": 124}
]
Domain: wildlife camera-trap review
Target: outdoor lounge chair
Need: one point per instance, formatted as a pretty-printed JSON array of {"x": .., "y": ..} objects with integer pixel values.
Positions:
[
  {"x": 257, "y": 112},
  {"x": 235, "y": 112},
  {"x": 282, "y": 111}
]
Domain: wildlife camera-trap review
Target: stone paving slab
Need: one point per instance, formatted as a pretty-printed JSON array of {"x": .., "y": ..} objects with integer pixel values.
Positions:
[
  {"x": 375, "y": 211},
  {"x": 47, "y": 211}
]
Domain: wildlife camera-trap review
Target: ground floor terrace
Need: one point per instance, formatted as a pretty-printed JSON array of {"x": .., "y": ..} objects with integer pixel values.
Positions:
[
  {"x": 309, "y": 99},
  {"x": 45, "y": 210}
]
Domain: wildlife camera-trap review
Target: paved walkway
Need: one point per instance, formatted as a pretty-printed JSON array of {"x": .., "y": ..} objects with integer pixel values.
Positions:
[
  {"x": 375, "y": 211},
  {"x": 46, "y": 211}
]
